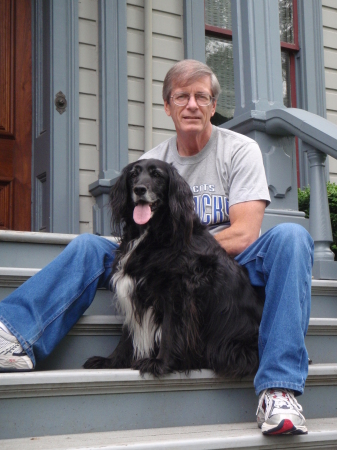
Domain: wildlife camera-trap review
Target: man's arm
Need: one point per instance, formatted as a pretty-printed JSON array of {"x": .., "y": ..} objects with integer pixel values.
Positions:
[{"x": 246, "y": 220}]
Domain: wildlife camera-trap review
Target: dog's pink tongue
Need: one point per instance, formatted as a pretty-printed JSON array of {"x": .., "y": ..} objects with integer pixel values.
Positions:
[{"x": 142, "y": 214}]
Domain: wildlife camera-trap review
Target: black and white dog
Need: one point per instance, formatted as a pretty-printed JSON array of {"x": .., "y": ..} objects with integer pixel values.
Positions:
[{"x": 187, "y": 304}]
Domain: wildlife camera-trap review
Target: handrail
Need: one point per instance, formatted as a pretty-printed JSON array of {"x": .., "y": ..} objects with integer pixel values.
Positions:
[
  {"x": 320, "y": 139},
  {"x": 310, "y": 128}
]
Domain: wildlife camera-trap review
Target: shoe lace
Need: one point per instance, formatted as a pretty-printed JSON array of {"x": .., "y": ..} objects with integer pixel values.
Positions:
[{"x": 280, "y": 398}]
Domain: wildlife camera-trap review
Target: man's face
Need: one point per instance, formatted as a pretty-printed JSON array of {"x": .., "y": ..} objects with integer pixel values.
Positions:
[{"x": 191, "y": 118}]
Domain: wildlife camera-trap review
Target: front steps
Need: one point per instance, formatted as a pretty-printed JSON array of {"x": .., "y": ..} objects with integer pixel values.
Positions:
[
  {"x": 81, "y": 401},
  {"x": 74, "y": 408},
  {"x": 323, "y": 435}
]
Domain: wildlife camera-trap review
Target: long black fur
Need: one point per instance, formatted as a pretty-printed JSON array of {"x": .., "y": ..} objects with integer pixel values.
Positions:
[{"x": 201, "y": 298}]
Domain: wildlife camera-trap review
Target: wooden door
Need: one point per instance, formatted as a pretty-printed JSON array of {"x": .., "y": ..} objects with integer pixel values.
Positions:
[{"x": 15, "y": 114}]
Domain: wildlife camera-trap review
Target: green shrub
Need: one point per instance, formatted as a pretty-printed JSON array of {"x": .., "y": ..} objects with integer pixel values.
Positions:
[{"x": 304, "y": 205}]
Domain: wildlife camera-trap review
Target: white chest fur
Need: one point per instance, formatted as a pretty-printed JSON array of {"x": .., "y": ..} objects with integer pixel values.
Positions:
[{"x": 144, "y": 334}]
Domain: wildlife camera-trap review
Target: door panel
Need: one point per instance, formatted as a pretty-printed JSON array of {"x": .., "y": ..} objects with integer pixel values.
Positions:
[{"x": 15, "y": 114}]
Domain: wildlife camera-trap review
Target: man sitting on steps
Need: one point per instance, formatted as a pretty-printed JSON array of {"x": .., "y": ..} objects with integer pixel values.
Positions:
[{"x": 225, "y": 172}]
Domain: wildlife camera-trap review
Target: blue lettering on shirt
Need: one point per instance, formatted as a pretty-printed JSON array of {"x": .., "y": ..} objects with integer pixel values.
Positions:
[{"x": 212, "y": 209}]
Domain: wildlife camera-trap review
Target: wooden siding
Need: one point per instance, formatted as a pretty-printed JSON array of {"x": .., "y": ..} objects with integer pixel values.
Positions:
[
  {"x": 168, "y": 48},
  {"x": 88, "y": 108},
  {"x": 330, "y": 63}
]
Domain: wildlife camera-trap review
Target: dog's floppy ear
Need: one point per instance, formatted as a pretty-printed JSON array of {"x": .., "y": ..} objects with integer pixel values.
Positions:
[
  {"x": 181, "y": 204},
  {"x": 119, "y": 201}
]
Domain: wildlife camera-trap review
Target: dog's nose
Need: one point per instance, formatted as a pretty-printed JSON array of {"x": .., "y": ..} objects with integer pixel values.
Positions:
[{"x": 139, "y": 190}]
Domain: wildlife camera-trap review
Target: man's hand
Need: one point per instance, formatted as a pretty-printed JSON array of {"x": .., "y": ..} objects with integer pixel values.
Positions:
[{"x": 246, "y": 220}]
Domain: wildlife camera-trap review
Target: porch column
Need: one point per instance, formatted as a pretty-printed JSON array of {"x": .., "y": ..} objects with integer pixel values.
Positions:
[
  {"x": 257, "y": 56},
  {"x": 320, "y": 224},
  {"x": 113, "y": 126},
  {"x": 258, "y": 89}
]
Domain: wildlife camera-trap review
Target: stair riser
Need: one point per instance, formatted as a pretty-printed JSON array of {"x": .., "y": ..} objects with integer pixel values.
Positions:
[
  {"x": 74, "y": 350},
  {"x": 103, "y": 303},
  {"x": 28, "y": 255},
  {"x": 108, "y": 412},
  {"x": 322, "y": 349},
  {"x": 323, "y": 306}
]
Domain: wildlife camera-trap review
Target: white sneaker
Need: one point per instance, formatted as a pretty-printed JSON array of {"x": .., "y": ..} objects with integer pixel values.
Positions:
[
  {"x": 279, "y": 412},
  {"x": 12, "y": 356}
]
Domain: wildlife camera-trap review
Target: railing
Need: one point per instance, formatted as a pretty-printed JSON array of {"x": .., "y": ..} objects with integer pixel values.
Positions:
[{"x": 320, "y": 139}]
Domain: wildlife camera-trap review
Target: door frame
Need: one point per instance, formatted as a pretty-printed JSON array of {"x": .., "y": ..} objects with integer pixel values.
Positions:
[{"x": 55, "y": 143}]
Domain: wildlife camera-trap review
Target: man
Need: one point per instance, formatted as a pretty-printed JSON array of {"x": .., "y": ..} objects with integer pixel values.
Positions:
[{"x": 225, "y": 172}]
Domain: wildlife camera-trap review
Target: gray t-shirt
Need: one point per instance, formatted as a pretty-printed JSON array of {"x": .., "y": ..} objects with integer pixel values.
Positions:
[{"x": 228, "y": 170}]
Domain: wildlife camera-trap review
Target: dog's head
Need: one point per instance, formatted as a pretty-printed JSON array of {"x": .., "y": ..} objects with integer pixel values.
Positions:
[{"x": 150, "y": 192}]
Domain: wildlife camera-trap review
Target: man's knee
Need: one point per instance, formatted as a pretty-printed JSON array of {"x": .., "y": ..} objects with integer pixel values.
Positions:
[
  {"x": 292, "y": 235},
  {"x": 86, "y": 240}
]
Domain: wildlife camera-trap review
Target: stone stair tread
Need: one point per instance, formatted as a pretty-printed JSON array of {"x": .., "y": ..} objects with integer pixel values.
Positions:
[
  {"x": 322, "y": 432},
  {"x": 80, "y": 381},
  {"x": 320, "y": 283},
  {"x": 39, "y": 237}
]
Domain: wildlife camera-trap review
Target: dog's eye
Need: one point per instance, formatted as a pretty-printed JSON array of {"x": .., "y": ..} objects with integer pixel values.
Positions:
[{"x": 155, "y": 173}]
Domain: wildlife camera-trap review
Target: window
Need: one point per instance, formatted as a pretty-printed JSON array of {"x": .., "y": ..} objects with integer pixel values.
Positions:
[
  {"x": 219, "y": 55},
  {"x": 289, "y": 46},
  {"x": 219, "y": 52}
]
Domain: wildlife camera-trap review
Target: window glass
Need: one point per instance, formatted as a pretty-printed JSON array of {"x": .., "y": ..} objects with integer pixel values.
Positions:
[
  {"x": 285, "y": 58},
  {"x": 286, "y": 14},
  {"x": 219, "y": 52},
  {"x": 219, "y": 57},
  {"x": 218, "y": 13}
]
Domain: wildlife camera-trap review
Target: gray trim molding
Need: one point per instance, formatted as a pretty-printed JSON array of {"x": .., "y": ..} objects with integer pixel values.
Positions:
[
  {"x": 55, "y": 184},
  {"x": 257, "y": 56},
  {"x": 310, "y": 79},
  {"x": 194, "y": 30},
  {"x": 113, "y": 125},
  {"x": 91, "y": 382}
]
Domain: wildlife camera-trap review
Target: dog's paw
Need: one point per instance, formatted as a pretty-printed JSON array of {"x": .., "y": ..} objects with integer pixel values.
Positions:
[
  {"x": 95, "y": 362},
  {"x": 151, "y": 365}
]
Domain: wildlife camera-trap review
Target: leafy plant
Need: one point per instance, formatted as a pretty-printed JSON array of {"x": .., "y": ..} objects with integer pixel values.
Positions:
[{"x": 304, "y": 205}]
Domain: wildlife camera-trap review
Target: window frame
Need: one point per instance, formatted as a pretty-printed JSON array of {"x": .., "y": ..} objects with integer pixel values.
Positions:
[
  {"x": 292, "y": 49},
  {"x": 217, "y": 32}
]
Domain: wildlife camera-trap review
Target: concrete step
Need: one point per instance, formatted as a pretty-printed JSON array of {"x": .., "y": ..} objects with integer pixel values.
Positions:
[
  {"x": 322, "y": 435},
  {"x": 92, "y": 335},
  {"x": 324, "y": 298},
  {"x": 321, "y": 340},
  {"x": 100, "y": 334},
  {"x": 13, "y": 277},
  {"x": 80, "y": 401},
  {"x": 24, "y": 249},
  {"x": 324, "y": 292}
]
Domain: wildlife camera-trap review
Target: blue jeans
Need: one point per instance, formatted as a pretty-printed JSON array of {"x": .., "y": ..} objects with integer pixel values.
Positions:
[
  {"x": 280, "y": 263},
  {"x": 42, "y": 311}
]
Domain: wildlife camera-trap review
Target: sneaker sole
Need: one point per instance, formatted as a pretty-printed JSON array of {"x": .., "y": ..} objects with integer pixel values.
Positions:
[
  {"x": 15, "y": 364},
  {"x": 284, "y": 427}
]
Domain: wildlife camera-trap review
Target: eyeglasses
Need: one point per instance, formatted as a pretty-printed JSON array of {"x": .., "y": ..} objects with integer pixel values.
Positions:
[{"x": 182, "y": 99}]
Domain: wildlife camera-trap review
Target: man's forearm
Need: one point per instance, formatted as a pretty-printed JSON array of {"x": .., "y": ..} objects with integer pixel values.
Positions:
[{"x": 234, "y": 240}]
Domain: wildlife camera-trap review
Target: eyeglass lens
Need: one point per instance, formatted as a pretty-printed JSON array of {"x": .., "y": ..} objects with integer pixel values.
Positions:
[{"x": 182, "y": 99}]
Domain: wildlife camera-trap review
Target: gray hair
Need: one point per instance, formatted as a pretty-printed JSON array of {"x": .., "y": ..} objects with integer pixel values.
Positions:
[{"x": 186, "y": 72}]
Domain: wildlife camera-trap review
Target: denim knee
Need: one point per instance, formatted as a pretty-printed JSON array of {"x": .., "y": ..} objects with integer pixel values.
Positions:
[
  {"x": 293, "y": 236},
  {"x": 85, "y": 243},
  {"x": 85, "y": 239}
]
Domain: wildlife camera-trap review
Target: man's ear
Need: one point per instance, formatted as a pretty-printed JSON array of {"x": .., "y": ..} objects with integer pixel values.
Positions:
[{"x": 167, "y": 108}]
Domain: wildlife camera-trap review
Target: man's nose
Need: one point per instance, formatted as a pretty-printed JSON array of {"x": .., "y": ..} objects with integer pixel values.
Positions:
[{"x": 192, "y": 103}]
